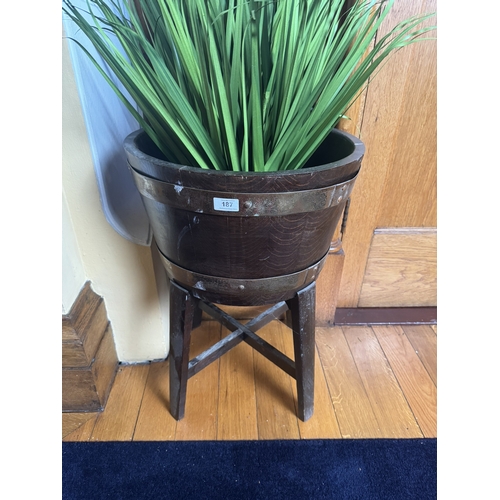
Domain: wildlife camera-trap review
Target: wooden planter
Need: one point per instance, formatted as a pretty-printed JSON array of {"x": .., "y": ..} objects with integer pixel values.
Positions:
[
  {"x": 245, "y": 227},
  {"x": 244, "y": 239}
]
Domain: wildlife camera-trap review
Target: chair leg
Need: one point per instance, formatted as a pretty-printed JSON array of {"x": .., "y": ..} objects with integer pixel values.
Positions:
[
  {"x": 182, "y": 312},
  {"x": 302, "y": 308}
]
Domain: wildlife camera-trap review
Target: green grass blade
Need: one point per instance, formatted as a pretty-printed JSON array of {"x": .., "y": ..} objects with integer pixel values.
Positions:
[{"x": 241, "y": 84}]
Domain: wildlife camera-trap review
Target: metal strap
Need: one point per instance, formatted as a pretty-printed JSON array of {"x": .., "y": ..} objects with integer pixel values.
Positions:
[
  {"x": 242, "y": 204},
  {"x": 237, "y": 287}
]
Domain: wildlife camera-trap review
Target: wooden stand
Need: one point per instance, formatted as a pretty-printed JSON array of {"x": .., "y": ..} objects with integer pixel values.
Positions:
[
  {"x": 241, "y": 239},
  {"x": 185, "y": 315}
]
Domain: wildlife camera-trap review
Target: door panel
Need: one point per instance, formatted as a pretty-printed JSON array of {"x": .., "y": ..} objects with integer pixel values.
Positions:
[
  {"x": 396, "y": 188},
  {"x": 401, "y": 269}
]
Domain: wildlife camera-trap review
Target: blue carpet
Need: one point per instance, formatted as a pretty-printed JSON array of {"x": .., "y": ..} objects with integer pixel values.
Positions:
[{"x": 354, "y": 469}]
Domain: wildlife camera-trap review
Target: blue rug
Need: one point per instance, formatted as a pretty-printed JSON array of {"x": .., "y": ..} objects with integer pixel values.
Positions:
[{"x": 354, "y": 469}]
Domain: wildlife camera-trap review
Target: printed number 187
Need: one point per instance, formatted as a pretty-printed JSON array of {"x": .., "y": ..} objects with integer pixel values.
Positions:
[{"x": 227, "y": 204}]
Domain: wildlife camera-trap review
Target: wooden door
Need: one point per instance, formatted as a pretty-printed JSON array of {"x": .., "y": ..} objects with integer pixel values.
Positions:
[{"x": 390, "y": 238}]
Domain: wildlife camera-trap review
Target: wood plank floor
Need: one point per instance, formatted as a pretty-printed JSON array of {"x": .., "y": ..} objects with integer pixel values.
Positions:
[{"x": 371, "y": 382}]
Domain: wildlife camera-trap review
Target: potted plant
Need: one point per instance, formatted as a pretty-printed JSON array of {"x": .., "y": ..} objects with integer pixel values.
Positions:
[
  {"x": 232, "y": 89},
  {"x": 242, "y": 172}
]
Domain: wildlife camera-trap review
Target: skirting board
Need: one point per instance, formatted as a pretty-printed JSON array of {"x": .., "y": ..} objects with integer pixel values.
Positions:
[
  {"x": 386, "y": 316},
  {"x": 89, "y": 360}
]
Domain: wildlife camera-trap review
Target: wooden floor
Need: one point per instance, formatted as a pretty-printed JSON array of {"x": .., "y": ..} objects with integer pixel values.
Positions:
[{"x": 371, "y": 382}]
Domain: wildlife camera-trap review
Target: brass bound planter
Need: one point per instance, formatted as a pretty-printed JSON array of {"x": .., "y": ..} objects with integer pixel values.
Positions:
[
  {"x": 244, "y": 239},
  {"x": 243, "y": 226}
]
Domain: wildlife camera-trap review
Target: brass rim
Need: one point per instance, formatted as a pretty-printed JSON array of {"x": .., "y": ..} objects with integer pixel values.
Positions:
[{"x": 242, "y": 204}]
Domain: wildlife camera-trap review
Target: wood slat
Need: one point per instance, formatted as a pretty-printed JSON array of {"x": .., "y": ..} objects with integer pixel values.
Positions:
[
  {"x": 323, "y": 423},
  {"x": 424, "y": 341},
  {"x": 388, "y": 403},
  {"x": 237, "y": 407},
  {"x": 155, "y": 423},
  {"x": 417, "y": 385},
  {"x": 117, "y": 423},
  {"x": 401, "y": 269},
  {"x": 200, "y": 418},
  {"x": 410, "y": 190},
  {"x": 248, "y": 329},
  {"x": 352, "y": 405},
  {"x": 276, "y": 414}
]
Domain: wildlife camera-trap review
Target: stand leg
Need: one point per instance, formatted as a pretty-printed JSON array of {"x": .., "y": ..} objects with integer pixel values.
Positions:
[
  {"x": 182, "y": 311},
  {"x": 197, "y": 317},
  {"x": 302, "y": 308}
]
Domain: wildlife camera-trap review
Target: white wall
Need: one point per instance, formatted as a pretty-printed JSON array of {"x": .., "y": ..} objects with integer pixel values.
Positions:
[
  {"x": 73, "y": 272},
  {"x": 120, "y": 271}
]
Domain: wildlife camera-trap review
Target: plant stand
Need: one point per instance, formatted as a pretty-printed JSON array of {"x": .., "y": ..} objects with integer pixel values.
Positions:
[
  {"x": 187, "y": 304},
  {"x": 244, "y": 239}
]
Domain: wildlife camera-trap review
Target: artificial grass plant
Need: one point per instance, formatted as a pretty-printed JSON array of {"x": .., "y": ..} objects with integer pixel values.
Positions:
[{"x": 245, "y": 85}]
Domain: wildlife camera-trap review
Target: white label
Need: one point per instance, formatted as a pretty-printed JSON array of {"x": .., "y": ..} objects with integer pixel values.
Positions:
[{"x": 227, "y": 204}]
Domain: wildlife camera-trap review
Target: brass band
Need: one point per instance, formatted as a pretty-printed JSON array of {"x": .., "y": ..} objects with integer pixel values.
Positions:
[
  {"x": 248, "y": 204},
  {"x": 234, "y": 286}
]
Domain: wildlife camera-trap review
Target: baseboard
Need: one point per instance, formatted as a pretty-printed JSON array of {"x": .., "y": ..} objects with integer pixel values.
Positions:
[
  {"x": 386, "y": 316},
  {"x": 89, "y": 360}
]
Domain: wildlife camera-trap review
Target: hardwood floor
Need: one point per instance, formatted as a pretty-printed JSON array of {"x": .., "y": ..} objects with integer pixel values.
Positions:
[{"x": 371, "y": 382}]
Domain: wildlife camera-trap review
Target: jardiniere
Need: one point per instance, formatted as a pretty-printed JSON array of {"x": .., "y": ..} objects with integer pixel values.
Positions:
[
  {"x": 254, "y": 87},
  {"x": 245, "y": 226}
]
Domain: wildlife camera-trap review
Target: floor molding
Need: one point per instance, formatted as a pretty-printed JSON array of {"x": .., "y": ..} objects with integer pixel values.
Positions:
[
  {"x": 386, "y": 316},
  {"x": 89, "y": 360}
]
